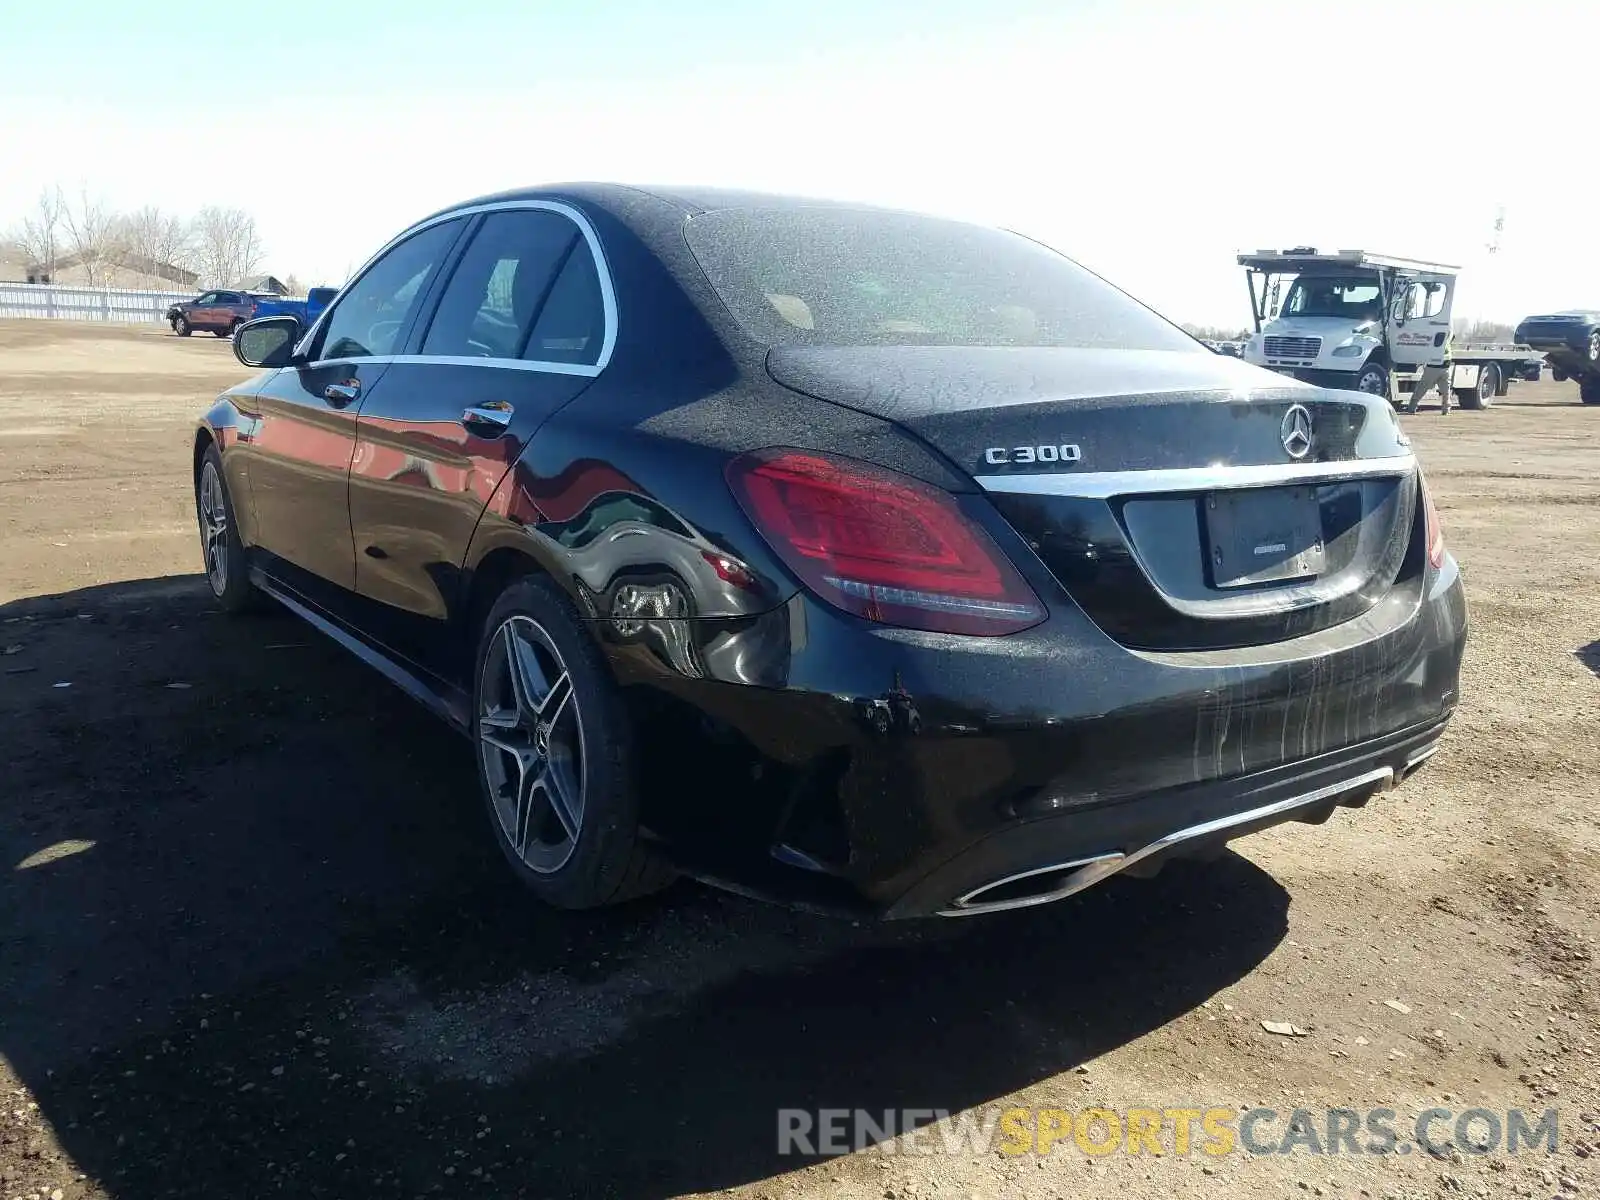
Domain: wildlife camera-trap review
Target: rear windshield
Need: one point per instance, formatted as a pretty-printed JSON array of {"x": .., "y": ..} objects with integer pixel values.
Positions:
[{"x": 848, "y": 277}]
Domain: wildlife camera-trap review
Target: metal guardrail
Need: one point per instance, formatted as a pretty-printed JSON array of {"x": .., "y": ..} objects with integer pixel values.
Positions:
[{"x": 54, "y": 302}]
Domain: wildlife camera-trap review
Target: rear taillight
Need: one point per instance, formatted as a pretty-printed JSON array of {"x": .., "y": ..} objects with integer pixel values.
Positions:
[
  {"x": 1433, "y": 531},
  {"x": 881, "y": 545}
]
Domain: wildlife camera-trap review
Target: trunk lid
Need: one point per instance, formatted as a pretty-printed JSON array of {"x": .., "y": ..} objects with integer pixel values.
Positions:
[
  {"x": 1126, "y": 410},
  {"x": 1183, "y": 500}
]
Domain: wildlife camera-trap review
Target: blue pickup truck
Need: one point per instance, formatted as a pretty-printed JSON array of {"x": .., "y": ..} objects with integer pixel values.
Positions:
[{"x": 307, "y": 310}]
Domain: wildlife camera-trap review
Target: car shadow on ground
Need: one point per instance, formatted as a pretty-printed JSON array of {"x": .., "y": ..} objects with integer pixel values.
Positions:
[
  {"x": 1589, "y": 656},
  {"x": 259, "y": 941},
  {"x": 1563, "y": 402}
]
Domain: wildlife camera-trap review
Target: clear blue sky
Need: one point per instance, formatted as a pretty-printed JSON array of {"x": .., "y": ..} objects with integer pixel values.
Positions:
[{"x": 1151, "y": 139}]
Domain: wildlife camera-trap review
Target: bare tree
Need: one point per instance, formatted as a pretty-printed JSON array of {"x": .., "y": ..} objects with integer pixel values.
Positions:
[
  {"x": 154, "y": 242},
  {"x": 227, "y": 245},
  {"x": 94, "y": 235},
  {"x": 293, "y": 284},
  {"x": 1484, "y": 331},
  {"x": 41, "y": 235},
  {"x": 1216, "y": 333}
]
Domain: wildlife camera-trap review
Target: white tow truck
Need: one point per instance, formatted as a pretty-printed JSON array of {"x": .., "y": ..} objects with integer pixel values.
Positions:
[{"x": 1369, "y": 323}]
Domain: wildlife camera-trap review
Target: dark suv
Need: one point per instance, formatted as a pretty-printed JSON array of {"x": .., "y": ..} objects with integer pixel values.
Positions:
[{"x": 1571, "y": 342}]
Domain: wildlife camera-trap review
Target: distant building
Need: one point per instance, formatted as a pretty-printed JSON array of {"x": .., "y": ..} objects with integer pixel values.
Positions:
[
  {"x": 263, "y": 285},
  {"x": 121, "y": 270},
  {"x": 13, "y": 264}
]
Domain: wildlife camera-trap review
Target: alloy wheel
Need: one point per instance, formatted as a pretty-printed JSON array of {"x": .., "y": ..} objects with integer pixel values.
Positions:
[
  {"x": 214, "y": 528},
  {"x": 531, "y": 739}
]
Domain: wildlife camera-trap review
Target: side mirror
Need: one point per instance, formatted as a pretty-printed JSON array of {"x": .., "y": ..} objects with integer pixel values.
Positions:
[{"x": 267, "y": 341}]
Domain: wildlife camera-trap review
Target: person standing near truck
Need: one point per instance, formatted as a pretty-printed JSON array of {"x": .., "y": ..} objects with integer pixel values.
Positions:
[{"x": 1434, "y": 375}]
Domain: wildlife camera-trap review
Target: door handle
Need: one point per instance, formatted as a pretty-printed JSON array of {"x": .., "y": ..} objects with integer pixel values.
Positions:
[
  {"x": 492, "y": 417},
  {"x": 342, "y": 393}
]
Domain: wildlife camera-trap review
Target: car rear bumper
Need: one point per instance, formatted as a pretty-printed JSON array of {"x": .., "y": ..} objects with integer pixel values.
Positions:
[
  {"x": 1051, "y": 859},
  {"x": 1567, "y": 344},
  {"x": 812, "y": 756}
]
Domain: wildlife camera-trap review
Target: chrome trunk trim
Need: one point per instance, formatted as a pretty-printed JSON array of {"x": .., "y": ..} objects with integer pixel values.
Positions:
[{"x": 1101, "y": 485}]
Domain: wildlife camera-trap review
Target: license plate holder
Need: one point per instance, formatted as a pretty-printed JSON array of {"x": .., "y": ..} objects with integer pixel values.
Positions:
[{"x": 1264, "y": 535}]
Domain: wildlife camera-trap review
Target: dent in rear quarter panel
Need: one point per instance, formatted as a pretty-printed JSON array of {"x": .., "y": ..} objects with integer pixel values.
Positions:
[{"x": 607, "y": 514}]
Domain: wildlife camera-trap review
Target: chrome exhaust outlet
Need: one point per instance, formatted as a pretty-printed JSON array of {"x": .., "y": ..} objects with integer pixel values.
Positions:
[
  {"x": 1060, "y": 880},
  {"x": 1417, "y": 758}
]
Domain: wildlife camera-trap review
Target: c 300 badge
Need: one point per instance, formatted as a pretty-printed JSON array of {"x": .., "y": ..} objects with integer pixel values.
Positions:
[{"x": 1066, "y": 452}]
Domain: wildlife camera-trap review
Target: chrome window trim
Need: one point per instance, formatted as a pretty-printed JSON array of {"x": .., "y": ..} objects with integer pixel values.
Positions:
[
  {"x": 1102, "y": 485},
  {"x": 608, "y": 297},
  {"x": 457, "y": 360}
]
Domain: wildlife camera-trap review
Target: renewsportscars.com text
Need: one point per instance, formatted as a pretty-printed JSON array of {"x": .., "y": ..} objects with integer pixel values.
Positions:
[{"x": 1099, "y": 1131}]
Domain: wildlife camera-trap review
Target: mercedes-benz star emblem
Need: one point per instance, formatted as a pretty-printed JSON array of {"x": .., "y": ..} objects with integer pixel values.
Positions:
[{"x": 1296, "y": 431}]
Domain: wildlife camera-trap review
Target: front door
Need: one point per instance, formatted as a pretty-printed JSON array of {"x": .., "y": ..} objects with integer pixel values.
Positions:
[
  {"x": 517, "y": 333},
  {"x": 1419, "y": 320},
  {"x": 300, "y": 444},
  {"x": 200, "y": 314},
  {"x": 303, "y": 435}
]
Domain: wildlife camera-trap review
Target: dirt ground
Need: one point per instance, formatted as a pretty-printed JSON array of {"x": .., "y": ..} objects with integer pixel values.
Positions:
[{"x": 254, "y": 940}]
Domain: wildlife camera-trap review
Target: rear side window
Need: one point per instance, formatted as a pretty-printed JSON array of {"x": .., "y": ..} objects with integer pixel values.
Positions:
[
  {"x": 378, "y": 307},
  {"x": 500, "y": 284},
  {"x": 572, "y": 324},
  {"x": 840, "y": 276}
]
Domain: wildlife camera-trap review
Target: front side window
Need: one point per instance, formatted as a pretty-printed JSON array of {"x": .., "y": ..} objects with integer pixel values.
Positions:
[
  {"x": 1355, "y": 299},
  {"x": 1427, "y": 300},
  {"x": 500, "y": 284},
  {"x": 378, "y": 308},
  {"x": 840, "y": 276}
]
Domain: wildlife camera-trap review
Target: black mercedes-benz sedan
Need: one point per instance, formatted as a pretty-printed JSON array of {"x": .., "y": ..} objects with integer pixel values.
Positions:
[{"x": 856, "y": 558}]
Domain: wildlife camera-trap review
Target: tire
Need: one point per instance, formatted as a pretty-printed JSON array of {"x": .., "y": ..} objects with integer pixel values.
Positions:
[
  {"x": 1558, "y": 374},
  {"x": 555, "y": 754},
  {"x": 1373, "y": 379},
  {"x": 228, "y": 332},
  {"x": 181, "y": 326},
  {"x": 227, "y": 572},
  {"x": 1589, "y": 389},
  {"x": 1482, "y": 396},
  {"x": 1502, "y": 386},
  {"x": 1593, "y": 354}
]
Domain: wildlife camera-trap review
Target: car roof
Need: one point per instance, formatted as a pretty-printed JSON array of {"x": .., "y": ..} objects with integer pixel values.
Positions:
[{"x": 688, "y": 199}]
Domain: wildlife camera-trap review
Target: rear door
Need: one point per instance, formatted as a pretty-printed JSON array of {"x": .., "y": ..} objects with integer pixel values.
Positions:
[
  {"x": 303, "y": 434},
  {"x": 520, "y": 329}
]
